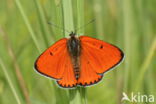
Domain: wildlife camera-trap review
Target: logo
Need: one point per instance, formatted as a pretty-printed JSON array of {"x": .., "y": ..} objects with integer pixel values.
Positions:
[{"x": 138, "y": 97}]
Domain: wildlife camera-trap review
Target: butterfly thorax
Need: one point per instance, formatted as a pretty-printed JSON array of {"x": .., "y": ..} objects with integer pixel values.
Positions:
[{"x": 73, "y": 46}]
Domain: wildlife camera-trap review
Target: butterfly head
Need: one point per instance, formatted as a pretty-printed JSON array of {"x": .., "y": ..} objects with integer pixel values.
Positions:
[
  {"x": 73, "y": 44},
  {"x": 72, "y": 34}
]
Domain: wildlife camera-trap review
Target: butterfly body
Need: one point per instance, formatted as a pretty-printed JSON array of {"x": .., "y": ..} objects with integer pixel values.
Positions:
[
  {"x": 74, "y": 49},
  {"x": 78, "y": 60}
]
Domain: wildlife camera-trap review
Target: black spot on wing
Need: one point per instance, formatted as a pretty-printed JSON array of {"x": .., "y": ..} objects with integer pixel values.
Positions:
[
  {"x": 51, "y": 53},
  {"x": 101, "y": 47}
]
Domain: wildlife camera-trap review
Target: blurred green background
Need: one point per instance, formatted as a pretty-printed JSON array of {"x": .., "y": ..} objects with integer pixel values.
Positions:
[{"x": 25, "y": 34}]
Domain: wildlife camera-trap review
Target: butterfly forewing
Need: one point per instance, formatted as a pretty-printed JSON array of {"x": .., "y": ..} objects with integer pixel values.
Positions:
[{"x": 48, "y": 63}]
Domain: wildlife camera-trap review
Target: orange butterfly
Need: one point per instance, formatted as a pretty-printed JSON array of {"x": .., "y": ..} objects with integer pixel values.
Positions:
[{"x": 78, "y": 60}]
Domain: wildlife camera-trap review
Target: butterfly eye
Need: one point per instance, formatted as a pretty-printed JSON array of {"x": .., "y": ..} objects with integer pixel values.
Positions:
[{"x": 101, "y": 46}]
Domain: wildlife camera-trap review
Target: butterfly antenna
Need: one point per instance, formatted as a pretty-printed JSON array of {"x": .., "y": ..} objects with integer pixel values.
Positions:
[
  {"x": 56, "y": 26},
  {"x": 85, "y": 25}
]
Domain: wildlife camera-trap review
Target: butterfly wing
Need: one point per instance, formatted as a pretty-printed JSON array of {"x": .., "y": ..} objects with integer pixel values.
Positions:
[
  {"x": 96, "y": 58},
  {"x": 88, "y": 74},
  {"x": 68, "y": 79},
  {"x": 55, "y": 63}
]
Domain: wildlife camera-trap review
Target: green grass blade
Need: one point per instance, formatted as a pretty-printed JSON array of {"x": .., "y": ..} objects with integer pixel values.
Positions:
[
  {"x": 75, "y": 94},
  {"x": 16, "y": 66},
  {"x": 69, "y": 25},
  {"x": 27, "y": 24},
  {"x": 99, "y": 19},
  {"x": 80, "y": 16},
  {"x": 83, "y": 94},
  {"x": 10, "y": 82},
  {"x": 145, "y": 64},
  {"x": 68, "y": 16},
  {"x": 80, "y": 22},
  {"x": 127, "y": 31},
  {"x": 43, "y": 22}
]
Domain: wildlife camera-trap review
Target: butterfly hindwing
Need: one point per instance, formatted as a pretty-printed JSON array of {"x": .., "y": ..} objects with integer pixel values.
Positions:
[{"x": 68, "y": 79}]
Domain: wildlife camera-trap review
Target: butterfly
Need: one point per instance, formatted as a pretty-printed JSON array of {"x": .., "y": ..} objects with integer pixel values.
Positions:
[{"x": 78, "y": 61}]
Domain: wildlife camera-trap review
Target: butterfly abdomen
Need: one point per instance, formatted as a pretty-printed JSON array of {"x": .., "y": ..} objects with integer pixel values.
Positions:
[
  {"x": 77, "y": 71},
  {"x": 73, "y": 46}
]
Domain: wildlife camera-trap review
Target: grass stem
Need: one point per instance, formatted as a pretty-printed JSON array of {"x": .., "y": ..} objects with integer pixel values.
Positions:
[
  {"x": 27, "y": 24},
  {"x": 19, "y": 75},
  {"x": 146, "y": 64},
  {"x": 76, "y": 96},
  {"x": 10, "y": 82}
]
